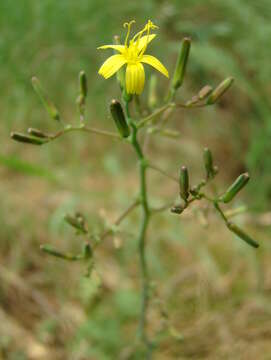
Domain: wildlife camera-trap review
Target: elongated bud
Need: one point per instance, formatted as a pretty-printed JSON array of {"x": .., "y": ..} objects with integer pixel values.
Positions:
[
  {"x": 204, "y": 92},
  {"x": 208, "y": 163},
  {"x": 119, "y": 118},
  {"x": 181, "y": 64},
  {"x": 87, "y": 251},
  {"x": 65, "y": 256},
  {"x": 242, "y": 235},
  {"x": 49, "y": 106},
  {"x": 83, "y": 83},
  {"x": 28, "y": 139},
  {"x": 77, "y": 222},
  {"x": 152, "y": 99},
  {"x": 51, "y": 251},
  {"x": 184, "y": 183},
  {"x": 234, "y": 189},
  {"x": 37, "y": 133},
  {"x": 220, "y": 90}
]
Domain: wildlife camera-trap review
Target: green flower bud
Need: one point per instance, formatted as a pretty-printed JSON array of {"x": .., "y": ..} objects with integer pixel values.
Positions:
[
  {"x": 234, "y": 189},
  {"x": 219, "y": 91},
  {"x": 184, "y": 183},
  {"x": 77, "y": 222},
  {"x": 65, "y": 256},
  {"x": 208, "y": 163},
  {"x": 242, "y": 235},
  {"x": 87, "y": 251},
  {"x": 27, "y": 138},
  {"x": 119, "y": 118},
  {"x": 49, "y": 106},
  {"x": 52, "y": 251},
  {"x": 181, "y": 64},
  {"x": 83, "y": 83},
  {"x": 177, "y": 209}
]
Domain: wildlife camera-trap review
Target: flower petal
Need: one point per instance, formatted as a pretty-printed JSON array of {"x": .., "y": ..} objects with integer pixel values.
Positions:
[
  {"x": 119, "y": 48},
  {"x": 145, "y": 40},
  {"x": 111, "y": 65},
  {"x": 153, "y": 61},
  {"x": 135, "y": 78}
]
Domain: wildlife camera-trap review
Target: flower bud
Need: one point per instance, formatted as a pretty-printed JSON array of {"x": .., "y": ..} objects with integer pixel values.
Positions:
[
  {"x": 87, "y": 251},
  {"x": 181, "y": 64},
  {"x": 242, "y": 235},
  {"x": 37, "y": 133},
  {"x": 83, "y": 83},
  {"x": 54, "y": 252},
  {"x": 27, "y": 138},
  {"x": 184, "y": 183},
  {"x": 77, "y": 222},
  {"x": 208, "y": 163},
  {"x": 219, "y": 91},
  {"x": 177, "y": 209},
  {"x": 51, "y": 251},
  {"x": 234, "y": 189},
  {"x": 119, "y": 118},
  {"x": 204, "y": 92},
  {"x": 49, "y": 106}
]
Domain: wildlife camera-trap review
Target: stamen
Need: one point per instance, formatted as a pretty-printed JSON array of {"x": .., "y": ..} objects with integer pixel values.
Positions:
[
  {"x": 128, "y": 25},
  {"x": 138, "y": 36},
  {"x": 148, "y": 27}
]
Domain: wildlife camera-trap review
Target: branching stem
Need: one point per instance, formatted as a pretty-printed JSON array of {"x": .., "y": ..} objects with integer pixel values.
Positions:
[
  {"x": 143, "y": 165},
  {"x": 84, "y": 128}
]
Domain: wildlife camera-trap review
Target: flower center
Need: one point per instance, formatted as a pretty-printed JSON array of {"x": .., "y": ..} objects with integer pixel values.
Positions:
[{"x": 132, "y": 54}]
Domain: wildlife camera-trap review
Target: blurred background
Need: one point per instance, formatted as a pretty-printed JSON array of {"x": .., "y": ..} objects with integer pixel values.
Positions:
[{"x": 214, "y": 288}]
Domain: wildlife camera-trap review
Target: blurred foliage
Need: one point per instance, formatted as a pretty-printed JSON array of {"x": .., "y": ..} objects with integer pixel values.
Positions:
[{"x": 54, "y": 40}]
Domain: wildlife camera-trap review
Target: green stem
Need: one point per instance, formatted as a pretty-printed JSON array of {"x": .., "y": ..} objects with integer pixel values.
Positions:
[
  {"x": 83, "y": 127},
  {"x": 143, "y": 165},
  {"x": 149, "y": 118}
]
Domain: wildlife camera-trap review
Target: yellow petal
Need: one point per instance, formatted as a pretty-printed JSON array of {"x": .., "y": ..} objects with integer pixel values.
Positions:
[
  {"x": 119, "y": 48},
  {"x": 151, "y": 60},
  {"x": 145, "y": 40},
  {"x": 111, "y": 65},
  {"x": 135, "y": 78}
]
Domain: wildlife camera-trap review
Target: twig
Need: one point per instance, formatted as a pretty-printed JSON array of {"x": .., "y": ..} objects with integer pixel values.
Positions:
[
  {"x": 147, "y": 119},
  {"x": 83, "y": 127},
  {"x": 121, "y": 218},
  {"x": 161, "y": 171}
]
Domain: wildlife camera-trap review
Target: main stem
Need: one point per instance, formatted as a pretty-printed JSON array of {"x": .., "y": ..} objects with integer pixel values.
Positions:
[{"x": 142, "y": 233}]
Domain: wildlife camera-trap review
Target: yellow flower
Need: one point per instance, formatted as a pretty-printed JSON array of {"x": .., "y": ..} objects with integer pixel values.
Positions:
[{"x": 133, "y": 56}]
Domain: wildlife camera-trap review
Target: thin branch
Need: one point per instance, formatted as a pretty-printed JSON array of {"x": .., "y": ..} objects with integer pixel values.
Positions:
[
  {"x": 147, "y": 119},
  {"x": 162, "y": 208},
  {"x": 84, "y": 128},
  {"x": 121, "y": 218},
  {"x": 190, "y": 106},
  {"x": 161, "y": 171}
]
